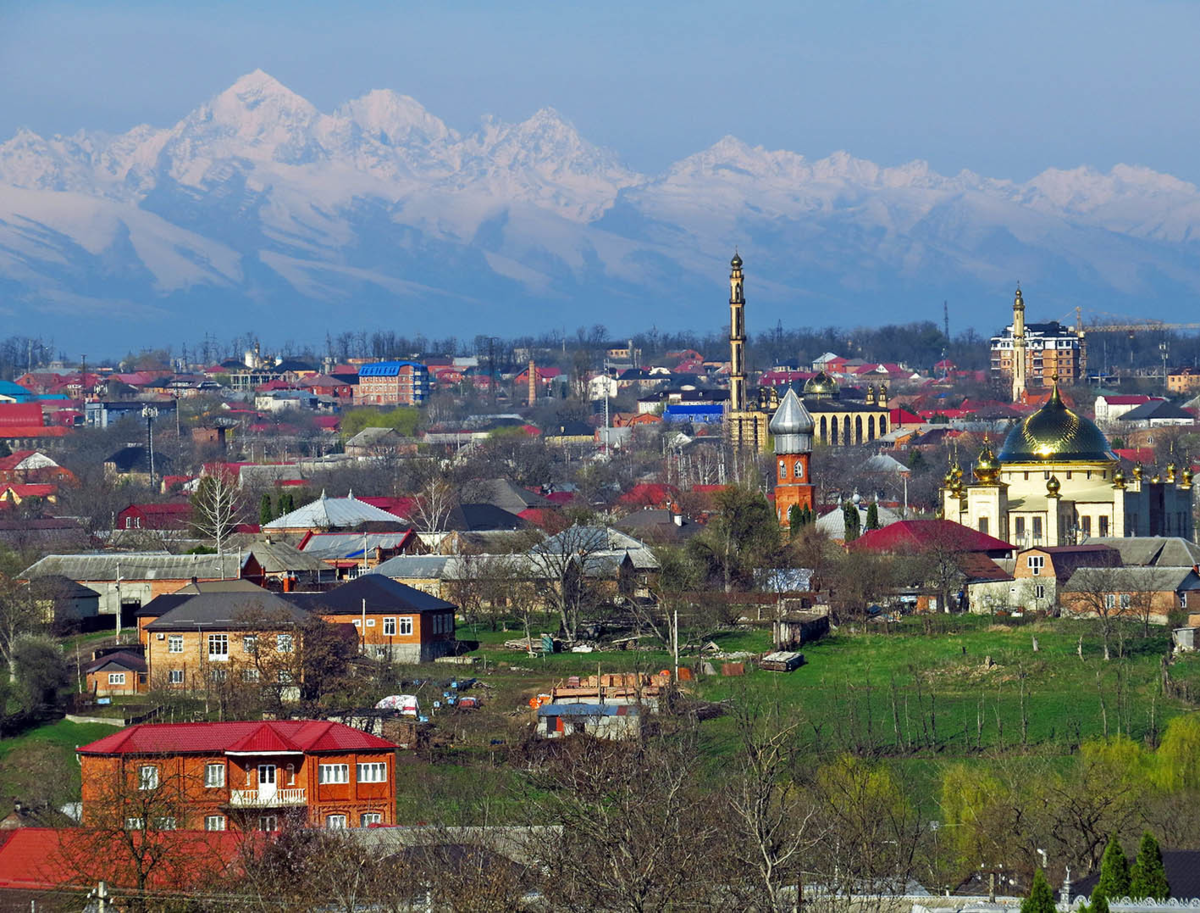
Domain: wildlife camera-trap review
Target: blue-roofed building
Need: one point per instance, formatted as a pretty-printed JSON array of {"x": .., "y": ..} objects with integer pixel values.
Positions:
[
  {"x": 392, "y": 383},
  {"x": 15, "y": 393},
  {"x": 697, "y": 414}
]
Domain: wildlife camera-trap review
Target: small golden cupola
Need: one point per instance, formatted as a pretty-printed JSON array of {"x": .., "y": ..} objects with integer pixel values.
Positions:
[
  {"x": 1186, "y": 484},
  {"x": 1118, "y": 478},
  {"x": 1171, "y": 469},
  {"x": 1053, "y": 486},
  {"x": 987, "y": 469}
]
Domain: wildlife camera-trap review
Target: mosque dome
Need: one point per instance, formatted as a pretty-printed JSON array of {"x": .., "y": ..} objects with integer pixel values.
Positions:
[
  {"x": 791, "y": 417},
  {"x": 819, "y": 385},
  {"x": 736, "y": 262},
  {"x": 1056, "y": 434}
]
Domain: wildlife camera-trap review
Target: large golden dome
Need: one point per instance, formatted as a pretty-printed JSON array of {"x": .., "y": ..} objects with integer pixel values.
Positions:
[{"x": 1056, "y": 434}]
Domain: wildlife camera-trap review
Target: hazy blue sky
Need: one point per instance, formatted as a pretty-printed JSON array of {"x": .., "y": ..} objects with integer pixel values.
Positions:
[{"x": 1005, "y": 89}]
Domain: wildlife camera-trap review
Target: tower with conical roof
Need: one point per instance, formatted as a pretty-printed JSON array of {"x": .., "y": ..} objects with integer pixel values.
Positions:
[
  {"x": 792, "y": 427},
  {"x": 747, "y": 428},
  {"x": 1019, "y": 351}
]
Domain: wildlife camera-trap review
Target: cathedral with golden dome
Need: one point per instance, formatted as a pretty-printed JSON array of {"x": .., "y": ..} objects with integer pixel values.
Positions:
[{"x": 1056, "y": 481}]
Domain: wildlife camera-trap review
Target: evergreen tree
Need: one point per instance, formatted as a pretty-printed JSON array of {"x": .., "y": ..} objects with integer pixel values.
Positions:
[
  {"x": 850, "y": 516},
  {"x": 286, "y": 504},
  {"x": 1148, "y": 878},
  {"x": 873, "y": 516},
  {"x": 265, "y": 515},
  {"x": 1114, "y": 872},
  {"x": 916, "y": 462},
  {"x": 807, "y": 516},
  {"x": 795, "y": 521},
  {"x": 1098, "y": 904},
  {"x": 1041, "y": 898}
]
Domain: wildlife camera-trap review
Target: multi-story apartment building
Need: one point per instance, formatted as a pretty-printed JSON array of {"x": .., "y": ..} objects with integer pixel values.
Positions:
[
  {"x": 392, "y": 383},
  {"x": 1050, "y": 348},
  {"x": 238, "y": 775},
  {"x": 1183, "y": 380}
]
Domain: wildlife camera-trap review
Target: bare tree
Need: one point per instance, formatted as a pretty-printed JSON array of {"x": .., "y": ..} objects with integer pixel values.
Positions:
[
  {"x": 433, "y": 505},
  {"x": 217, "y": 508},
  {"x": 564, "y": 567},
  {"x": 774, "y": 820},
  {"x": 1098, "y": 591},
  {"x": 20, "y": 616}
]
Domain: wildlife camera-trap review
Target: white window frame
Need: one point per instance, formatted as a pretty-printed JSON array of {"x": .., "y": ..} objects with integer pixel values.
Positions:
[
  {"x": 331, "y": 774},
  {"x": 116, "y": 678},
  {"x": 1183, "y": 599},
  {"x": 148, "y": 777},
  {"x": 366, "y": 819},
  {"x": 134, "y": 824},
  {"x": 389, "y": 627},
  {"x": 176, "y": 677},
  {"x": 165, "y": 823},
  {"x": 174, "y": 643},
  {"x": 214, "y": 776},
  {"x": 1110, "y": 601},
  {"x": 371, "y": 772},
  {"x": 1035, "y": 563},
  {"x": 218, "y": 648},
  {"x": 1126, "y": 600},
  {"x": 335, "y": 822},
  {"x": 268, "y": 823},
  {"x": 406, "y": 626},
  {"x": 370, "y": 622},
  {"x": 249, "y": 644},
  {"x": 250, "y": 674},
  {"x": 214, "y": 822},
  {"x": 1039, "y": 591},
  {"x": 284, "y": 643}
]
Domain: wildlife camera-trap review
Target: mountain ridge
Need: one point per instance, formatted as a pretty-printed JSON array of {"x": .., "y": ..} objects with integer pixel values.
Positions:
[{"x": 258, "y": 206}]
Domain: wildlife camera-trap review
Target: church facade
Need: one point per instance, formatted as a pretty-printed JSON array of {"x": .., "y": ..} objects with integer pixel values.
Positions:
[{"x": 1056, "y": 481}]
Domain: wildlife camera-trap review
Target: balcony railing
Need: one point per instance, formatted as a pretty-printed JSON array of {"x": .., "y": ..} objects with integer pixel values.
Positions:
[{"x": 250, "y": 798}]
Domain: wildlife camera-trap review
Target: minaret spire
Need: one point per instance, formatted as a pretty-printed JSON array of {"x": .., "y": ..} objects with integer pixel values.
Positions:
[
  {"x": 1018, "y": 364},
  {"x": 737, "y": 336}
]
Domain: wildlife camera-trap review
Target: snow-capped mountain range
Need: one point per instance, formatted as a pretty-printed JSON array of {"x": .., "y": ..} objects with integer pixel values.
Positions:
[{"x": 259, "y": 212}]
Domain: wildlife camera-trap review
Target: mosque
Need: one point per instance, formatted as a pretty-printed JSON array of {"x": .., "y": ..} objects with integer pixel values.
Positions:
[
  {"x": 837, "y": 420},
  {"x": 1056, "y": 481}
]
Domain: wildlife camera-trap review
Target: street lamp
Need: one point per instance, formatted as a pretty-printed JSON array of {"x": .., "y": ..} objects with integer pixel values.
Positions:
[{"x": 1163, "y": 348}]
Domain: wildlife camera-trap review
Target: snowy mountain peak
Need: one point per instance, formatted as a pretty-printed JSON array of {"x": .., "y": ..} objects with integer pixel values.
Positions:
[{"x": 394, "y": 119}]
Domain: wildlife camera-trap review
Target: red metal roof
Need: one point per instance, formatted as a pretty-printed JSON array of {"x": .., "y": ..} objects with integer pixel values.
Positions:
[
  {"x": 43, "y": 858},
  {"x": 21, "y": 432},
  {"x": 20, "y": 414},
  {"x": 206, "y": 738},
  {"x": 918, "y": 535}
]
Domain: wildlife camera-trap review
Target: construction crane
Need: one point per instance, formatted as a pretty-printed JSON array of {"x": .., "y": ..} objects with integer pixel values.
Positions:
[{"x": 1120, "y": 325}]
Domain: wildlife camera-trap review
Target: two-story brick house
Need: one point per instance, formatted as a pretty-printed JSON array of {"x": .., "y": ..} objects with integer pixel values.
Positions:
[
  {"x": 394, "y": 621},
  {"x": 243, "y": 775}
]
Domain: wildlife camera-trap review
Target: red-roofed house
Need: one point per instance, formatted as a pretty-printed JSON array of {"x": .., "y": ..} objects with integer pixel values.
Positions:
[
  {"x": 23, "y": 422},
  {"x": 650, "y": 494},
  {"x": 155, "y": 516},
  {"x": 13, "y": 493},
  {"x": 1111, "y": 406},
  {"x": 67, "y": 860},
  {"x": 247, "y": 775},
  {"x": 1137, "y": 454},
  {"x": 910, "y": 536}
]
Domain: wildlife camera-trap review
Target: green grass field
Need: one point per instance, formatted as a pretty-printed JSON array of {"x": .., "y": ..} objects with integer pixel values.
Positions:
[{"x": 918, "y": 696}]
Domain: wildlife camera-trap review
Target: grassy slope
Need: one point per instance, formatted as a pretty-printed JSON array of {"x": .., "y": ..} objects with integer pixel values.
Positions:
[{"x": 59, "y": 738}]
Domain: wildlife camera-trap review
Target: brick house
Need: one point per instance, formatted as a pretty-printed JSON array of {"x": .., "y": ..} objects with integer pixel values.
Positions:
[
  {"x": 393, "y": 620},
  {"x": 1132, "y": 592},
  {"x": 1038, "y": 575},
  {"x": 174, "y": 516},
  {"x": 242, "y": 775},
  {"x": 221, "y": 636},
  {"x": 121, "y": 673},
  {"x": 392, "y": 383}
]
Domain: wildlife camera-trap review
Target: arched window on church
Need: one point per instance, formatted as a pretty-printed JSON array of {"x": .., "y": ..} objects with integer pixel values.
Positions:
[
  {"x": 782, "y": 469},
  {"x": 833, "y": 431},
  {"x": 882, "y": 426},
  {"x": 858, "y": 429},
  {"x": 870, "y": 427},
  {"x": 824, "y": 430},
  {"x": 846, "y": 432}
]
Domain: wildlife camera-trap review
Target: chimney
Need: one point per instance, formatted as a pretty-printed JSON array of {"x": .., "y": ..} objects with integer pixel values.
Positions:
[
  {"x": 532, "y": 383},
  {"x": 676, "y": 514}
]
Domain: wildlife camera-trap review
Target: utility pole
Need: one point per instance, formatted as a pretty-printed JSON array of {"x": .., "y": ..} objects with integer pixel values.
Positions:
[
  {"x": 150, "y": 413},
  {"x": 946, "y": 320}
]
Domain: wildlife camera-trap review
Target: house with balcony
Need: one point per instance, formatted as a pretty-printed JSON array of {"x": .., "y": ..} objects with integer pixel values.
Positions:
[{"x": 239, "y": 776}]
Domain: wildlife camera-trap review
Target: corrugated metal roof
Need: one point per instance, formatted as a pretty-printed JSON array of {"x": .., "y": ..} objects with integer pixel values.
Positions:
[
  {"x": 332, "y": 513},
  {"x": 139, "y": 566}
]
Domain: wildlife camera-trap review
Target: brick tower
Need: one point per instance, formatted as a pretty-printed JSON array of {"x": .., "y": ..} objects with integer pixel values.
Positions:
[{"x": 792, "y": 426}]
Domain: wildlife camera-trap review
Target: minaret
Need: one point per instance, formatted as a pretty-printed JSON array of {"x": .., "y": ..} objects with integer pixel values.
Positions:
[
  {"x": 792, "y": 426},
  {"x": 1018, "y": 364},
  {"x": 737, "y": 337}
]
